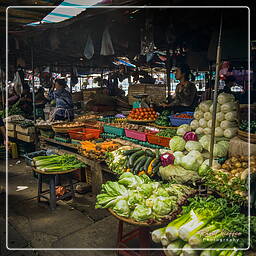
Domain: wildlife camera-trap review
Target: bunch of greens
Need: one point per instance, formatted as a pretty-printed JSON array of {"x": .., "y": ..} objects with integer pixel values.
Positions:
[
  {"x": 164, "y": 118},
  {"x": 141, "y": 199},
  {"x": 167, "y": 133},
  {"x": 55, "y": 163},
  {"x": 116, "y": 160},
  {"x": 206, "y": 223}
]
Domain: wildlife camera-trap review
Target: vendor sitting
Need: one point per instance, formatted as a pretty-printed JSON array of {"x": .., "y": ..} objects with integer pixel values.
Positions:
[
  {"x": 64, "y": 105},
  {"x": 185, "y": 98}
]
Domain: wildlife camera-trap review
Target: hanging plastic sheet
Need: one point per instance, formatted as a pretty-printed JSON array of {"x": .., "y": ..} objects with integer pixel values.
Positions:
[
  {"x": 106, "y": 44},
  {"x": 89, "y": 48}
]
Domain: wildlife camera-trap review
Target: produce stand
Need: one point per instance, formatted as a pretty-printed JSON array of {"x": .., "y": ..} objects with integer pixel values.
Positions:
[{"x": 97, "y": 168}]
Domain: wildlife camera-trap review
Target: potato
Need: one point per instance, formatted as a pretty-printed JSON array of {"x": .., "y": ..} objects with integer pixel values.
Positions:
[
  {"x": 244, "y": 164},
  {"x": 233, "y": 159},
  {"x": 238, "y": 165}
]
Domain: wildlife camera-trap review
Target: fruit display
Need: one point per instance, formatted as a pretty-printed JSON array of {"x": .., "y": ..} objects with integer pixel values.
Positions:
[
  {"x": 143, "y": 114},
  {"x": 164, "y": 118},
  {"x": 244, "y": 126},
  {"x": 94, "y": 150}
]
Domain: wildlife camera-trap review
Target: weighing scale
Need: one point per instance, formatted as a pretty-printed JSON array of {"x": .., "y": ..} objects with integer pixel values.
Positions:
[{"x": 141, "y": 102}]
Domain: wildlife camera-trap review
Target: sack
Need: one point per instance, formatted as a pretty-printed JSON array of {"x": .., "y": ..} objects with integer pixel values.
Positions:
[{"x": 106, "y": 44}]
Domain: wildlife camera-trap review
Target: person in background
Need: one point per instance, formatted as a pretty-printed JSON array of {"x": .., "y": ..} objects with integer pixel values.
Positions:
[
  {"x": 26, "y": 100},
  {"x": 64, "y": 109},
  {"x": 229, "y": 83},
  {"x": 40, "y": 101},
  {"x": 185, "y": 98},
  {"x": 2, "y": 129}
]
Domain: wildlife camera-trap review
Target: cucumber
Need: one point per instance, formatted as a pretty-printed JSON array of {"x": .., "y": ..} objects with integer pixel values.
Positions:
[
  {"x": 156, "y": 168},
  {"x": 150, "y": 153},
  {"x": 155, "y": 163},
  {"x": 139, "y": 160},
  {"x": 157, "y": 153},
  {"x": 140, "y": 164},
  {"x": 131, "y": 151},
  {"x": 134, "y": 156},
  {"x": 147, "y": 163}
]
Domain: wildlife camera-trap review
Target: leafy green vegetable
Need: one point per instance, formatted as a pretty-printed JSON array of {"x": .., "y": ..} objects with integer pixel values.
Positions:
[
  {"x": 141, "y": 213},
  {"x": 121, "y": 208},
  {"x": 177, "y": 144}
]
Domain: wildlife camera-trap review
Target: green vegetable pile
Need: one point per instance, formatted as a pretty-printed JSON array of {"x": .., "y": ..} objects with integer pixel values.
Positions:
[
  {"x": 57, "y": 163},
  {"x": 164, "y": 118},
  {"x": 244, "y": 126},
  {"x": 141, "y": 199},
  {"x": 167, "y": 133},
  {"x": 12, "y": 110},
  {"x": 207, "y": 223}
]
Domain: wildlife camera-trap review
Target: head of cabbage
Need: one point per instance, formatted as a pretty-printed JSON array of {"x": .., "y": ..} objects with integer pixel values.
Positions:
[
  {"x": 183, "y": 129},
  {"x": 192, "y": 160},
  {"x": 177, "y": 144},
  {"x": 193, "y": 145}
]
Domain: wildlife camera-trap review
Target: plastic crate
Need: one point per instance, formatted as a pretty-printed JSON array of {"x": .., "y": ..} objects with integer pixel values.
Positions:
[
  {"x": 114, "y": 130},
  {"x": 29, "y": 156},
  {"x": 158, "y": 140},
  {"x": 179, "y": 121},
  {"x": 142, "y": 136},
  {"x": 84, "y": 134}
]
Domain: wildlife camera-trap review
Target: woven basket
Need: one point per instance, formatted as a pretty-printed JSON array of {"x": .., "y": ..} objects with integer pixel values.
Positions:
[
  {"x": 64, "y": 129},
  {"x": 245, "y": 136}
]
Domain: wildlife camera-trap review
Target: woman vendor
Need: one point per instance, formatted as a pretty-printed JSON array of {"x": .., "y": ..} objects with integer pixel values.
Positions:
[
  {"x": 64, "y": 105},
  {"x": 185, "y": 98}
]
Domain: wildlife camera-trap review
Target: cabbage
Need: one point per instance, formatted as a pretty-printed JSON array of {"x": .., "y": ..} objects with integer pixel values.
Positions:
[
  {"x": 202, "y": 123},
  {"x": 220, "y": 116},
  {"x": 129, "y": 180},
  {"x": 183, "y": 129},
  {"x": 177, "y": 144},
  {"x": 228, "y": 107},
  {"x": 227, "y": 124},
  {"x": 178, "y": 157},
  {"x": 219, "y": 150},
  {"x": 205, "y": 141},
  {"x": 230, "y": 132},
  {"x": 231, "y": 116},
  {"x": 225, "y": 98},
  {"x": 190, "y": 136},
  {"x": 198, "y": 114},
  {"x": 209, "y": 124},
  {"x": 193, "y": 145},
  {"x": 218, "y": 108},
  {"x": 219, "y": 132},
  {"x": 199, "y": 130},
  {"x": 192, "y": 160},
  {"x": 141, "y": 213},
  {"x": 194, "y": 124},
  {"x": 207, "y": 130},
  {"x": 205, "y": 105},
  {"x": 207, "y": 116},
  {"x": 224, "y": 143},
  {"x": 167, "y": 159},
  {"x": 134, "y": 199},
  {"x": 122, "y": 209},
  {"x": 163, "y": 205}
]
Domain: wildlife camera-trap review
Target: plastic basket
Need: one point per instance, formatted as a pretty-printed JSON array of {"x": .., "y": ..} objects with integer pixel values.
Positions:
[
  {"x": 114, "y": 130},
  {"x": 142, "y": 136},
  {"x": 84, "y": 134},
  {"x": 29, "y": 156},
  {"x": 179, "y": 121},
  {"x": 158, "y": 140}
]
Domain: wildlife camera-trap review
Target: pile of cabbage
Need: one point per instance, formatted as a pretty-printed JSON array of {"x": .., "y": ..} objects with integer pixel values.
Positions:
[
  {"x": 226, "y": 117},
  {"x": 206, "y": 223},
  {"x": 141, "y": 199}
]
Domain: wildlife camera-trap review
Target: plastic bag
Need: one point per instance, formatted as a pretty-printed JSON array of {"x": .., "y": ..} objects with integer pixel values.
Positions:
[
  {"x": 106, "y": 44},
  {"x": 89, "y": 48}
]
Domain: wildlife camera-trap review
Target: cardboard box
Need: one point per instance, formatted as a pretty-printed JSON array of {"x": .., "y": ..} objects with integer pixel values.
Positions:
[
  {"x": 26, "y": 131},
  {"x": 26, "y": 138},
  {"x": 12, "y": 134}
]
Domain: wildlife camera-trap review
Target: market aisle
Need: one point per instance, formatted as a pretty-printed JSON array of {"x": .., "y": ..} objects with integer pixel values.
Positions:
[{"x": 74, "y": 224}]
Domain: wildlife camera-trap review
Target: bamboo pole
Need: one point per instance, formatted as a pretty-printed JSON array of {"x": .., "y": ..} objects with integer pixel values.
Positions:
[
  {"x": 218, "y": 59},
  {"x": 33, "y": 84}
]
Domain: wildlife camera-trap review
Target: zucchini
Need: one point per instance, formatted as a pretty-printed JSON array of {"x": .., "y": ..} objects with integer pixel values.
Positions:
[
  {"x": 134, "y": 156},
  {"x": 150, "y": 153},
  {"x": 155, "y": 163},
  {"x": 139, "y": 160},
  {"x": 131, "y": 151},
  {"x": 147, "y": 163},
  {"x": 140, "y": 164},
  {"x": 157, "y": 153},
  {"x": 156, "y": 168}
]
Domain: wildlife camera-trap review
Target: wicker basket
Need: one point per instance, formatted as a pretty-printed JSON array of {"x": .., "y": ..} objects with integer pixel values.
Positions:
[
  {"x": 245, "y": 136},
  {"x": 58, "y": 129}
]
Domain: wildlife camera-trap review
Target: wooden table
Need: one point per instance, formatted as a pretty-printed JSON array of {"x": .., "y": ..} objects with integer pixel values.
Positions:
[
  {"x": 52, "y": 186},
  {"x": 97, "y": 167}
]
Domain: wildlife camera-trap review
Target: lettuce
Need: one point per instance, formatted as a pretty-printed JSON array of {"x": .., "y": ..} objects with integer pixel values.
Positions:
[
  {"x": 225, "y": 98},
  {"x": 141, "y": 213},
  {"x": 202, "y": 123},
  {"x": 183, "y": 129},
  {"x": 205, "y": 141},
  {"x": 219, "y": 150},
  {"x": 207, "y": 116},
  {"x": 194, "y": 124},
  {"x": 228, "y": 107},
  {"x": 205, "y": 105},
  {"x": 198, "y": 114},
  {"x": 163, "y": 205},
  {"x": 178, "y": 157},
  {"x": 177, "y": 143},
  {"x": 134, "y": 199},
  {"x": 122, "y": 209},
  {"x": 193, "y": 145},
  {"x": 199, "y": 130},
  {"x": 192, "y": 160},
  {"x": 218, "y": 108}
]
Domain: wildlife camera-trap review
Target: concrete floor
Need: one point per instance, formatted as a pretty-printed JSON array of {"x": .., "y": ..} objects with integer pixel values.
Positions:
[{"x": 74, "y": 224}]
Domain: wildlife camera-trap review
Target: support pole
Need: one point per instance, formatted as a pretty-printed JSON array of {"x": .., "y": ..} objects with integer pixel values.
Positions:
[
  {"x": 218, "y": 58},
  {"x": 33, "y": 84},
  {"x": 168, "y": 71}
]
